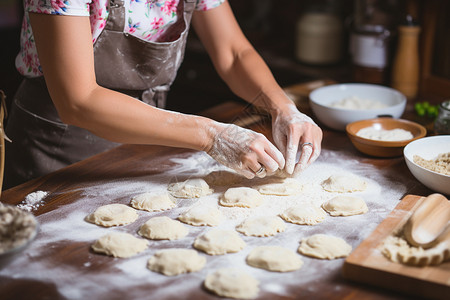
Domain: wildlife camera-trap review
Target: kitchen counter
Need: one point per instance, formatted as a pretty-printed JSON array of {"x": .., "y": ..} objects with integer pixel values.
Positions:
[{"x": 51, "y": 266}]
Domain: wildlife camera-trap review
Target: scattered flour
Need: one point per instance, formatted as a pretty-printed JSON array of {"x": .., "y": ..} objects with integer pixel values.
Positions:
[
  {"x": 66, "y": 226},
  {"x": 33, "y": 201}
]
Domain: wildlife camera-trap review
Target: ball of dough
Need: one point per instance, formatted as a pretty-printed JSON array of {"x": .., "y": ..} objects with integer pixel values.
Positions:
[
  {"x": 223, "y": 178},
  {"x": 232, "y": 283},
  {"x": 274, "y": 258},
  {"x": 280, "y": 187},
  {"x": 171, "y": 262},
  {"x": 324, "y": 247},
  {"x": 163, "y": 228},
  {"x": 113, "y": 215},
  {"x": 201, "y": 216},
  {"x": 262, "y": 226},
  {"x": 345, "y": 206},
  {"x": 152, "y": 202},
  {"x": 304, "y": 215},
  {"x": 191, "y": 188},
  {"x": 119, "y": 244},
  {"x": 344, "y": 184},
  {"x": 218, "y": 242},
  {"x": 242, "y": 197}
]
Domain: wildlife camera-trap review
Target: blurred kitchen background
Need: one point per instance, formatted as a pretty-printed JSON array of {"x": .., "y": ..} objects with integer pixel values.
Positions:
[{"x": 374, "y": 41}]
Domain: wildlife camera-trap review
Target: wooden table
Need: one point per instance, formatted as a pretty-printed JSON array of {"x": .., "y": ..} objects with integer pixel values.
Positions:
[{"x": 127, "y": 161}]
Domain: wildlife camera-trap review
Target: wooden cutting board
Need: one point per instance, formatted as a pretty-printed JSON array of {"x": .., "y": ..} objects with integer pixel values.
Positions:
[{"x": 368, "y": 265}]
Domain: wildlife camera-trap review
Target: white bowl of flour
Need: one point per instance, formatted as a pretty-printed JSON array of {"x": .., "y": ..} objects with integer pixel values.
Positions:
[
  {"x": 428, "y": 160},
  {"x": 340, "y": 104}
]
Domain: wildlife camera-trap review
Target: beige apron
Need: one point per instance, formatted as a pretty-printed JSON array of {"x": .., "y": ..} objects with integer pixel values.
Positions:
[{"x": 144, "y": 70}]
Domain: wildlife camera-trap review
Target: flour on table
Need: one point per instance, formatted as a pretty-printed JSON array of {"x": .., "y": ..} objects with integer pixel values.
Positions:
[
  {"x": 241, "y": 197},
  {"x": 171, "y": 262},
  {"x": 33, "y": 200},
  {"x": 391, "y": 135},
  {"x": 345, "y": 206},
  {"x": 324, "y": 247},
  {"x": 219, "y": 242},
  {"x": 306, "y": 214},
  {"x": 397, "y": 249},
  {"x": 119, "y": 244},
  {"x": 152, "y": 201},
  {"x": 202, "y": 215},
  {"x": 163, "y": 228},
  {"x": 274, "y": 258},
  {"x": 262, "y": 226},
  {"x": 355, "y": 102},
  {"x": 224, "y": 178},
  {"x": 113, "y": 215},
  {"x": 232, "y": 283},
  {"x": 344, "y": 184},
  {"x": 280, "y": 187},
  {"x": 191, "y": 188}
]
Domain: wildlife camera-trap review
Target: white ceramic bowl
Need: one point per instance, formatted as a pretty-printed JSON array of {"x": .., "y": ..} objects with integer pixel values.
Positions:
[
  {"x": 429, "y": 148},
  {"x": 337, "y": 118}
]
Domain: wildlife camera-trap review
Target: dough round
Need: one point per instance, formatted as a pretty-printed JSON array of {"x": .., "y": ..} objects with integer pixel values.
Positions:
[
  {"x": 191, "y": 188},
  {"x": 163, "y": 228},
  {"x": 171, "y": 262},
  {"x": 280, "y": 187},
  {"x": 345, "y": 206},
  {"x": 219, "y": 242},
  {"x": 324, "y": 246},
  {"x": 119, "y": 244},
  {"x": 304, "y": 215},
  {"x": 344, "y": 184},
  {"x": 152, "y": 202},
  {"x": 262, "y": 226},
  {"x": 113, "y": 215},
  {"x": 274, "y": 258},
  {"x": 202, "y": 215},
  {"x": 232, "y": 283},
  {"x": 242, "y": 197},
  {"x": 223, "y": 178}
]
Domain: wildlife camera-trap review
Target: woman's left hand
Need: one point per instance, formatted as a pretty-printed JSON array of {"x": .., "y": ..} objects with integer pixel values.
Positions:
[{"x": 295, "y": 132}]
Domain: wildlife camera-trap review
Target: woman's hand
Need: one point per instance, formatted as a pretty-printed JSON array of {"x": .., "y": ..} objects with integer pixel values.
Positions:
[
  {"x": 245, "y": 151},
  {"x": 295, "y": 132}
]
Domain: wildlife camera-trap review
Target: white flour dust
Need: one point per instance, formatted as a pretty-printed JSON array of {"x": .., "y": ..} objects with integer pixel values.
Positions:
[
  {"x": 33, "y": 201},
  {"x": 64, "y": 229}
]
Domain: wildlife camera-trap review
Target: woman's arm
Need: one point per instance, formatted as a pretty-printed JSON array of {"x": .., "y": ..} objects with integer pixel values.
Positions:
[
  {"x": 244, "y": 71},
  {"x": 65, "y": 50}
]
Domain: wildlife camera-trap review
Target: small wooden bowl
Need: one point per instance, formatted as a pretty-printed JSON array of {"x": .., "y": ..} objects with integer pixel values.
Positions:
[{"x": 383, "y": 148}]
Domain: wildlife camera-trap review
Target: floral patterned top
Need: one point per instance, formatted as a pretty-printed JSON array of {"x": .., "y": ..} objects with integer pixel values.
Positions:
[{"x": 145, "y": 19}]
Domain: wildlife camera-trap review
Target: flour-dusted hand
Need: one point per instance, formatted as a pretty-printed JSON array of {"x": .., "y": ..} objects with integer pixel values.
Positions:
[
  {"x": 245, "y": 151},
  {"x": 295, "y": 132}
]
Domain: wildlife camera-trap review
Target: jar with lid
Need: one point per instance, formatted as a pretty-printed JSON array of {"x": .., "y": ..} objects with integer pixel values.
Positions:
[{"x": 442, "y": 123}]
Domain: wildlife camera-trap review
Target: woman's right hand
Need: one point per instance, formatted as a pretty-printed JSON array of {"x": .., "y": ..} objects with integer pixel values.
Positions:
[{"x": 244, "y": 151}]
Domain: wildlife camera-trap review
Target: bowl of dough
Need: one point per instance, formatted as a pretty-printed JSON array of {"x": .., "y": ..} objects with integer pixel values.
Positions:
[
  {"x": 384, "y": 137},
  {"x": 338, "y": 105},
  {"x": 428, "y": 159},
  {"x": 18, "y": 228}
]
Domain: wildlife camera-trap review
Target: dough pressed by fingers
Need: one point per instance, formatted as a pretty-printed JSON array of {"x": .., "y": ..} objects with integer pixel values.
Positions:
[
  {"x": 163, "y": 228},
  {"x": 232, "y": 283},
  {"x": 219, "y": 242},
  {"x": 324, "y": 247},
  {"x": 345, "y": 206},
  {"x": 191, "y": 188},
  {"x": 119, "y": 244},
  {"x": 112, "y": 215},
  {"x": 241, "y": 197},
  {"x": 344, "y": 184},
  {"x": 152, "y": 202},
  {"x": 274, "y": 258},
  {"x": 171, "y": 262},
  {"x": 280, "y": 187},
  {"x": 304, "y": 215},
  {"x": 262, "y": 226},
  {"x": 200, "y": 215}
]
